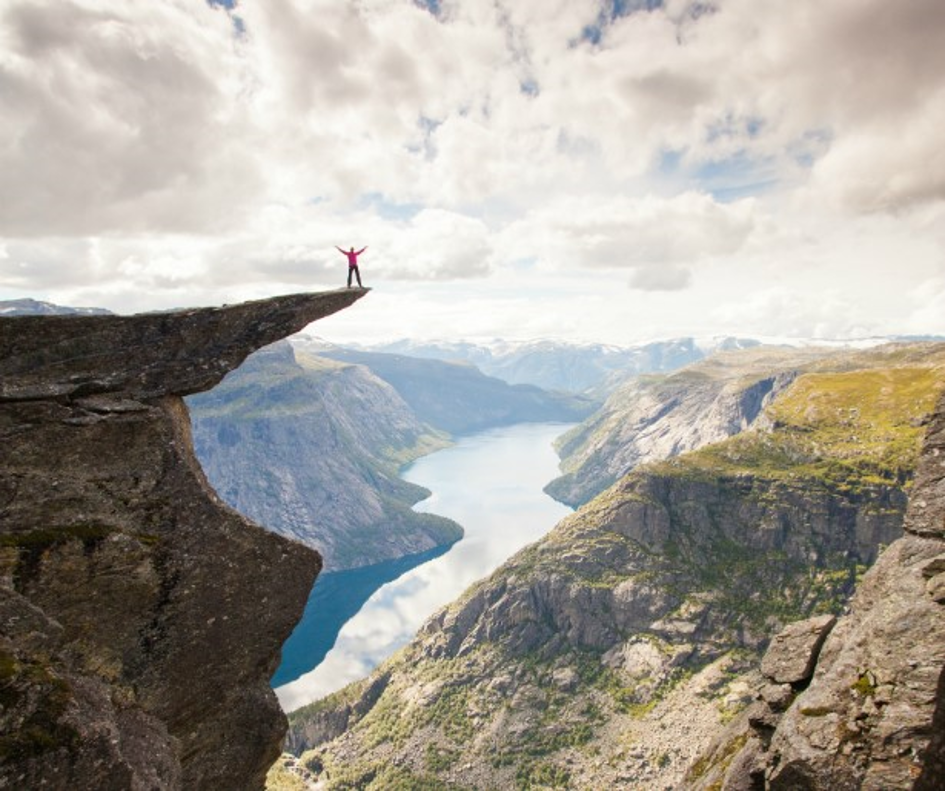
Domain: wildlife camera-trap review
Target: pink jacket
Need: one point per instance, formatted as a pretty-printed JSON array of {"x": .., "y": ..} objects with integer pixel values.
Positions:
[{"x": 352, "y": 256}]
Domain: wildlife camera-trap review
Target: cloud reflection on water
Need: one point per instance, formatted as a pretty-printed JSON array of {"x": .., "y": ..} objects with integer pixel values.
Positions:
[{"x": 491, "y": 483}]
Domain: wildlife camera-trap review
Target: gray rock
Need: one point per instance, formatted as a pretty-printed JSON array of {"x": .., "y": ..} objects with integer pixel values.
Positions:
[
  {"x": 934, "y": 567},
  {"x": 747, "y": 770},
  {"x": 926, "y": 515},
  {"x": 777, "y": 696},
  {"x": 935, "y": 587},
  {"x": 141, "y": 618},
  {"x": 761, "y": 718},
  {"x": 565, "y": 679},
  {"x": 793, "y": 652},
  {"x": 872, "y": 715}
]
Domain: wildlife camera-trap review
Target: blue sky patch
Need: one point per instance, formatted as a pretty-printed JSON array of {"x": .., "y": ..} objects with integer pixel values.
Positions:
[
  {"x": 736, "y": 177},
  {"x": 433, "y": 6},
  {"x": 613, "y": 10},
  {"x": 389, "y": 210}
]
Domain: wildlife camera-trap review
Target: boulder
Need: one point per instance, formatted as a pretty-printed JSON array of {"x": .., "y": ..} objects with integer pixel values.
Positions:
[{"x": 791, "y": 657}]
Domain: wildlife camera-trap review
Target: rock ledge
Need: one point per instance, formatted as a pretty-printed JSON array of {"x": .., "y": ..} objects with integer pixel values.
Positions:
[{"x": 140, "y": 618}]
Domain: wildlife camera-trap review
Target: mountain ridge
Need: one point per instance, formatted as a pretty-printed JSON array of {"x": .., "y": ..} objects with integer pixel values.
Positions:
[
  {"x": 610, "y": 652},
  {"x": 312, "y": 448}
]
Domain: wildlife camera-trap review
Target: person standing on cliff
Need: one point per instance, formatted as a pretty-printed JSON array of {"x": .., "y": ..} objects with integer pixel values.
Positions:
[{"x": 352, "y": 263}]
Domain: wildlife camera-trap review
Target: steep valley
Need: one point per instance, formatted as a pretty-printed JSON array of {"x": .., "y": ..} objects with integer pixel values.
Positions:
[
  {"x": 613, "y": 651},
  {"x": 311, "y": 448},
  {"x": 311, "y": 445},
  {"x": 751, "y": 596}
]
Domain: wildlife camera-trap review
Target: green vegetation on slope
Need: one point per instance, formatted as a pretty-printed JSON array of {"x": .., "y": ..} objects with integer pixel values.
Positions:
[
  {"x": 847, "y": 429},
  {"x": 562, "y": 668},
  {"x": 658, "y": 417}
]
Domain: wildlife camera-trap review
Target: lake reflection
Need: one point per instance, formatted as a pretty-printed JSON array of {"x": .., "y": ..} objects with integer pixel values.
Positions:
[{"x": 491, "y": 483}]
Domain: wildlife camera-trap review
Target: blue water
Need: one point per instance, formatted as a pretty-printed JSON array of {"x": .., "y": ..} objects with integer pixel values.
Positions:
[
  {"x": 490, "y": 483},
  {"x": 336, "y": 598}
]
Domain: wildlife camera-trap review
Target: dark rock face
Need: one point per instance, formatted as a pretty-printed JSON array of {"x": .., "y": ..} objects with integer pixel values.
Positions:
[{"x": 141, "y": 618}]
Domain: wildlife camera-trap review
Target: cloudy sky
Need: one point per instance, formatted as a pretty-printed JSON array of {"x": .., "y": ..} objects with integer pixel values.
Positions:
[{"x": 610, "y": 170}]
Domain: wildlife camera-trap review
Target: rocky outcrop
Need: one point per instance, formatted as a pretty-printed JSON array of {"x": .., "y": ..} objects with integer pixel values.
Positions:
[
  {"x": 791, "y": 656},
  {"x": 141, "y": 618},
  {"x": 867, "y": 711}
]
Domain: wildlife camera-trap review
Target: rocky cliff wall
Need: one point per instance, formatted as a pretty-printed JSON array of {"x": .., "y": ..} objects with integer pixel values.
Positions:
[
  {"x": 140, "y": 618},
  {"x": 868, "y": 712}
]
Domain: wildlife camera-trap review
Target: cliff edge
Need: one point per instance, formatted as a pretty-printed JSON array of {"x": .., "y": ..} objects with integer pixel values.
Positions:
[
  {"x": 868, "y": 710},
  {"x": 140, "y": 617}
]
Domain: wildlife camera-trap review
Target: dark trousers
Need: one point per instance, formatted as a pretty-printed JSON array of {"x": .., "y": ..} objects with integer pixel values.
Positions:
[{"x": 357, "y": 272}]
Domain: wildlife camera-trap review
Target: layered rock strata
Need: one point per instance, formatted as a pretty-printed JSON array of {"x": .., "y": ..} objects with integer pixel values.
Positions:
[{"x": 140, "y": 617}]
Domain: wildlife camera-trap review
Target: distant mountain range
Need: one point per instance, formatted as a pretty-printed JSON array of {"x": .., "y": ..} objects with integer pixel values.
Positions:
[
  {"x": 568, "y": 367},
  {"x": 460, "y": 398},
  {"x": 33, "y": 307}
]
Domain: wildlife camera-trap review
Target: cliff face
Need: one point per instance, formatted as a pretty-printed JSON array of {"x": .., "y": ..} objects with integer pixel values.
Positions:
[
  {"x": 869, "y": 711},
  {"x": 141, "y": 618},
  {"x": 651, "y": 418},
  {"x": 611, "y": 652},
  {"x": 311, "y": 448}
]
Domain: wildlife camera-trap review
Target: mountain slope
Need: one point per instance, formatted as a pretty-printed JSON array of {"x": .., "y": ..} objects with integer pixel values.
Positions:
[
  {"x": 459, "y": 398},
  {"x": 652, "y": 418},
  {"x": 311, "y": 448},
  {"x": 568, "y": 367},
  {"x": 610, "y": 652},
  {"x": 868, "y": 709}
]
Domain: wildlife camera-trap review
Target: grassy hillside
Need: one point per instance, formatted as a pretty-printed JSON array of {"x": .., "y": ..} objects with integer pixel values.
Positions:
[
  {"x": 846, "y": 428},
  {"x": 658, "y": 417}
]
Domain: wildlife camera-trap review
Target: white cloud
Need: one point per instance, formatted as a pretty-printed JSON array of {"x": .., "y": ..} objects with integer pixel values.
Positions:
[
  {"x": 658, "y": 238},
  {"x": 791, "y": 314},
  {"x": 117, "y": 119},
  {"x": 156, "y": 153}
]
